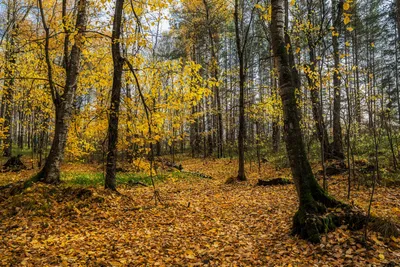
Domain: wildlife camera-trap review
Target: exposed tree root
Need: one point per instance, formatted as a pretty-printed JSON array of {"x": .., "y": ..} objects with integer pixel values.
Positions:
[{"x": 311, "y": 225}]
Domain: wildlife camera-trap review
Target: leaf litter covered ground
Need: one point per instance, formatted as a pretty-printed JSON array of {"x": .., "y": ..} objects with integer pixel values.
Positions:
[{"x": 203, "y": 222}]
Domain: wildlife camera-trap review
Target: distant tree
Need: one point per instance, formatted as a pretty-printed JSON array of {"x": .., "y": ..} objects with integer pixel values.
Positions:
[{"x": 337, "y": 10}]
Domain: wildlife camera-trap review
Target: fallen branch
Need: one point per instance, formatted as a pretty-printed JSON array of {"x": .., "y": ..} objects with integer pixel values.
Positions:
[
  {"x": 272, "y": 182},
  {"x": 198, "y": 174}
]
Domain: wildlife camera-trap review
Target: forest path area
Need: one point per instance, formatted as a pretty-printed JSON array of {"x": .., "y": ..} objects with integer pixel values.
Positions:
[{"x": 201, "y": 222}]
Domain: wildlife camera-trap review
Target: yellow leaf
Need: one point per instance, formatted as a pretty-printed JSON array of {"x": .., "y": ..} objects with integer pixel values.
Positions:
[
  {"x": 189, "y": 254},
  {"x": 346, "y": 20},
  {"x": 260, "y": 7},
  {"x": 381, "y": 256},
  {"x": 292, "y": 2},
  {"x": 350, "y": 29},
  {"x": 346, "y": 6}
]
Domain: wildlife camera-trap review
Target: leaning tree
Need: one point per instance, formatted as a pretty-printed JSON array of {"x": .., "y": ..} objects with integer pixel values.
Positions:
[{"x": 311, "y": 220}]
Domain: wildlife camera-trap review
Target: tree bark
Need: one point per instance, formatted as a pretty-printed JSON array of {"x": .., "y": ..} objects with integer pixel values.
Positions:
[
  {"x": 242, "y": 77},
  {"x": 7, "y": 100},
  {"x": 118, "y": 62},
  {"x": 63, "y": 103},
  {"x": 337, "y": 145},
  {"x": 398, "y": 13},
  {"x": 312, "y": 199}
]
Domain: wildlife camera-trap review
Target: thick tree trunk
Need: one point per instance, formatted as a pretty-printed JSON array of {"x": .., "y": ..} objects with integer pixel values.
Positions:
[
  {"x": 63, "y": 103},
  {"x": 118, "y": 61},
  {"x": 313, "y": 200},
  {"x": 50, "y": 173},
  {"x": 337, "y": 145}
]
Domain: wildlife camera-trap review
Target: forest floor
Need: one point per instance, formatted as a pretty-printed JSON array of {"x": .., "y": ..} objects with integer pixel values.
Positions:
[{"x": 201, "y": 222}]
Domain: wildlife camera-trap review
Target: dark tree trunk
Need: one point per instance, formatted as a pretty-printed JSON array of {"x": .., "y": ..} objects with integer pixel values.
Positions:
[
  {"x": 51, "y": 170},
  {"x": 313, "y": 200},
  {"x": 398, "y": 13},
  {"x": 337, "y": 145},
  {"x": 118, "y": 62},
  {"x": 242, "y": 78},
  {"x": 275, "y": 136},
  {"x": 63, "y": 103}
]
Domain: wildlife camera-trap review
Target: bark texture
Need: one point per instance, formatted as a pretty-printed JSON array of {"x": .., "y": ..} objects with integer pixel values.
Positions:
[
  {"x": 242, "y": 78},
  {"x": 63, "y": 102},
  {"x": 118, "y": 62},
  {"x": 312, "y": 199},
  {"x": 337, "y": 128}
]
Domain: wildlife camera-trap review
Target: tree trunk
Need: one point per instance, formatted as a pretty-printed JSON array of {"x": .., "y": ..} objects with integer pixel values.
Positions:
[
  {"x": 51, "y": 170},
  {"x": 215, "y": 75},
  {"x": 356, "y": 52},
  {"x": 118, "y": 61},
  {"x": 7, "y": 101},
  {"x": 242, "y": 128},
  {"x": 64, "y": 103},
  {"x": 337, "y": 145},
  {"x": 398, "y": 13},
  {"x": 313, "y": 200}
]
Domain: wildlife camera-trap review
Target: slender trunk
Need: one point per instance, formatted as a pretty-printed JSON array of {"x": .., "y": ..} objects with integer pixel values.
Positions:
[
  {"x": 357, "y": 72},
  {"x": 242, "y": 128},
  {"x": 397, "y": 71},
  {"x": 316, "y": 104},
  {"x": 7, "y": 101},
  {"x": 118, "y": 61}
]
